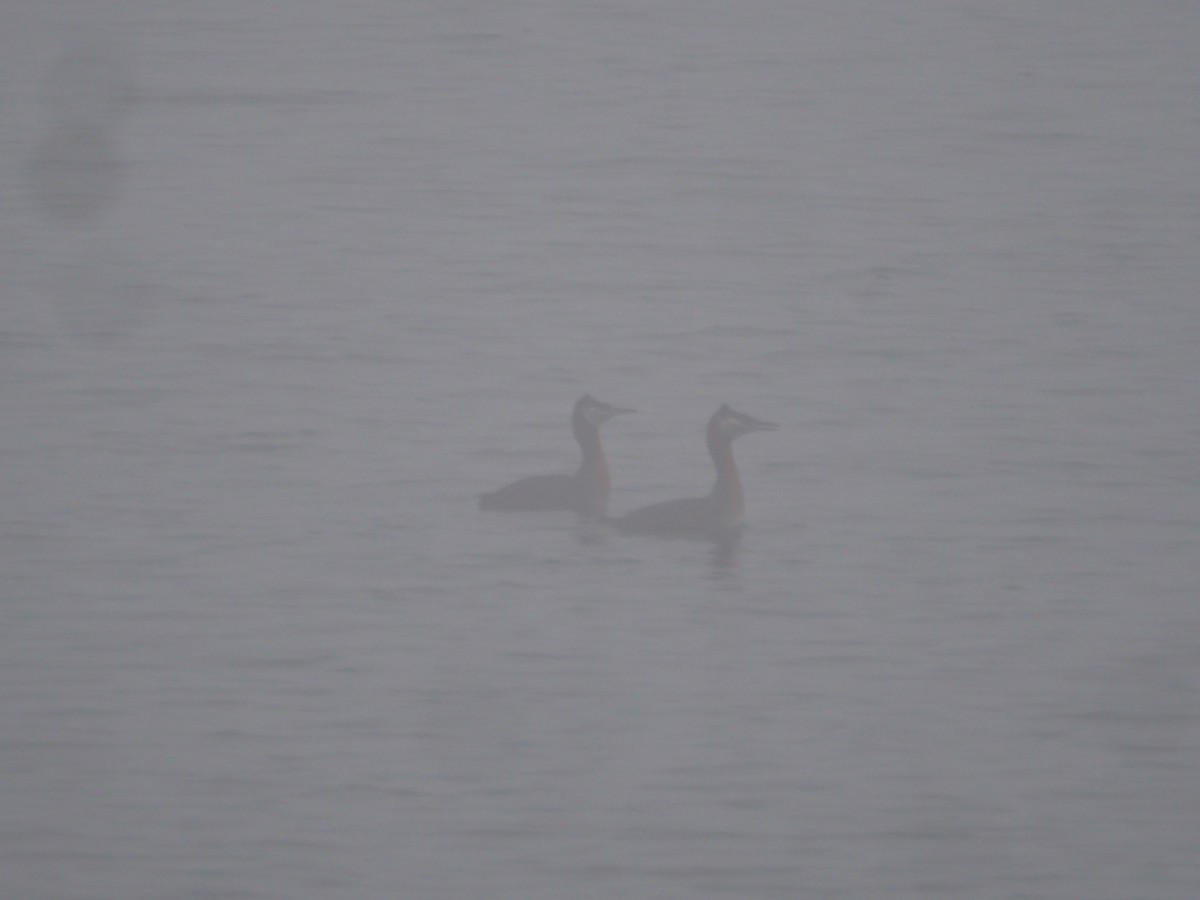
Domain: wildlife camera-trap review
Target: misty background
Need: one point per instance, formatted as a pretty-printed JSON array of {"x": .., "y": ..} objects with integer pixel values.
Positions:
[{"x": 287, "y": 284}]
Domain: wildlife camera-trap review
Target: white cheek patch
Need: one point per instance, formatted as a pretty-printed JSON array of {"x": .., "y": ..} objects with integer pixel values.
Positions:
[
  {"x": 729, "y": 425},
  {"x": 594, "y": 415}
]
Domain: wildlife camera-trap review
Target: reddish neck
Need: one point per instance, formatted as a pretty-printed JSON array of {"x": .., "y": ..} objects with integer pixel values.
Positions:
[
  {"x": 728, "y": 489},
  {"x": 592, "y": 476},
  {"x": 593, "y": 456}
]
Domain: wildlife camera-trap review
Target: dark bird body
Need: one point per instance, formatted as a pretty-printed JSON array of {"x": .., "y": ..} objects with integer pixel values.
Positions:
[
  {"x": 585, "y": 491},
  {"x": 717, "y": 515}
]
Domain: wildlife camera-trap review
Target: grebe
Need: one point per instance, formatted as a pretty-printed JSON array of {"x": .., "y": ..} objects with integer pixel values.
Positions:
[
  {"x": 586, "y": 491},
  {"x": 719, "y": 515}
]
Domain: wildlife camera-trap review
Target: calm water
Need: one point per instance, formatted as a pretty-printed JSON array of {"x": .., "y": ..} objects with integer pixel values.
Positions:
[{"x": 285, "y": 287}]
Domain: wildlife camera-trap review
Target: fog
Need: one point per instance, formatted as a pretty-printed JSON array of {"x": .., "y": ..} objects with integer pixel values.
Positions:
[{"x": 288, "y": 285}]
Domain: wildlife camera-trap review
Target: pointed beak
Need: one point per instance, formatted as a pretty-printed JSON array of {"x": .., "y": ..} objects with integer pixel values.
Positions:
[
  {"x": 608, "y": 410},
  {"x": 600, "y": 413},
  {"x": 760, "y": 425}
]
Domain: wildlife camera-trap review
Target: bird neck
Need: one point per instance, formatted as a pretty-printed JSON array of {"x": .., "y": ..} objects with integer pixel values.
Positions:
[
  {"x": 728, "y": 489},
  {"x": 593, "y": 454}
]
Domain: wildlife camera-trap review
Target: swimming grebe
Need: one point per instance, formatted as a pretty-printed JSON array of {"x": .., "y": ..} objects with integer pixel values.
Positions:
[
  {"x": 586, "y": 491},
  {"x": 720, "y": 513}
]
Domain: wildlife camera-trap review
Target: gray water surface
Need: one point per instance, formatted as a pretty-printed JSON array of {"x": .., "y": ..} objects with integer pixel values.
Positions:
[{"x": 287, "y": 284}]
